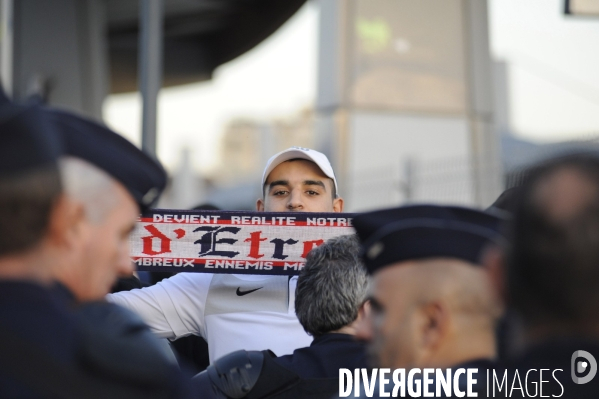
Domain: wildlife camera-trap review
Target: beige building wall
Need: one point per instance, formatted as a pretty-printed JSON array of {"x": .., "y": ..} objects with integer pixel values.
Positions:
[{"x": 246, "y": 145}]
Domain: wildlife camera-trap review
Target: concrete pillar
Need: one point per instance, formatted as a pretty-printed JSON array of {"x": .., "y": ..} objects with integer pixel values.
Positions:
[
  {"x": 60, "y": 53},
  {"x": 407, "y": 80}
]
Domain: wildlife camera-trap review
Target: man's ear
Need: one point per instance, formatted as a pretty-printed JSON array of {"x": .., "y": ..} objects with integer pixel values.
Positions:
[
  {"x": 494, "y": 263},
  {"x": 364, "y": 311},
  {"x": 260, "y": 205},
  {"x": 363, "y": 323},
  {"x": 434, "y": 325},
  {"x": 338, "y": 204},
  {"x": 66, "y": 221}
]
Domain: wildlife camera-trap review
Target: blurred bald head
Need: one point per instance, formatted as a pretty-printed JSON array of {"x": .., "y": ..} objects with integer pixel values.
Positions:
[
  {"x": 90, "y": 186},
  {"x": 462, "y": 286},
  {"x": 109, "y": 215},
  {"x": 434, "y": 312},
  {"x": 554, "y": 259}
]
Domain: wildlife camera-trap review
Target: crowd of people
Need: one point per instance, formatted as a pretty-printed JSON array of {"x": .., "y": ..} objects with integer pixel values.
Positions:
[{"x": 511, "y": 291}]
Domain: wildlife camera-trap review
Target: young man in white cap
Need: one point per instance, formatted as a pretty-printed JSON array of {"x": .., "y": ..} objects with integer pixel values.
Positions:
[
  {"x": 209, "y": 305},
  {"x": 299, "y": 179}
]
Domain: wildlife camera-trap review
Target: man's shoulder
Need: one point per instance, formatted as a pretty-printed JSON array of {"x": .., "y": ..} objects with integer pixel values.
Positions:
[
  {"x": 35, "y": 313},
  {"x": 255, "y": 374},
  {"x": 325, "y": 356},
  {"x": 24, "y": 293},
  {"x": 189, "y": 278},
  {"x": 182, "y": 282},
  {"x": 106, "y": 345},
  {"x": 116, "y": 341},
  {"x": 100, "y": 313}
]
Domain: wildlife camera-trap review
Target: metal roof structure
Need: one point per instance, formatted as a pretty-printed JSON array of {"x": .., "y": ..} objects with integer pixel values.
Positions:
[{"x": 199, "y": 35}]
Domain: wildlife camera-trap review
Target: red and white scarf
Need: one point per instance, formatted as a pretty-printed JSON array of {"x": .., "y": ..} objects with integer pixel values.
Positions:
[{"x": 235, "y": 242}]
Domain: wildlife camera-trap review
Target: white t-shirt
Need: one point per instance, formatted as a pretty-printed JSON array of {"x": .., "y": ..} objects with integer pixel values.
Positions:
[{"x": 231, "y": 312}]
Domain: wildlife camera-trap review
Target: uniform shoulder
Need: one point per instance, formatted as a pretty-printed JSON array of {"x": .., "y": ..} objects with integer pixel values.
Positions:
[{"x": 116, "y": 341}]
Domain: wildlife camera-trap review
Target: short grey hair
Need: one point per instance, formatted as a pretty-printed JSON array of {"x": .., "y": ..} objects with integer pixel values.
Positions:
[
  {"x": 89, "y": 185},
  {"x": 331, "y": 287}
]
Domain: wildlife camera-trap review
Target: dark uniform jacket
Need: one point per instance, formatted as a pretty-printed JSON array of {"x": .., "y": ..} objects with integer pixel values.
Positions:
[
  {"x": 38, "y": 319},
  {"x": 311, "y": 372},
  {"x": 316, "y": 367},
  {"x": 559, "y": 365},
  {"x": 482, "y": 366},
  {"x": 325, "y": 356},
  {"x": 51, "y": 347}
]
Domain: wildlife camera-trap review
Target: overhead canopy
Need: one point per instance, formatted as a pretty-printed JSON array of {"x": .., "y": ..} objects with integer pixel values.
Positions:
[{"x": 199, "y": 35}]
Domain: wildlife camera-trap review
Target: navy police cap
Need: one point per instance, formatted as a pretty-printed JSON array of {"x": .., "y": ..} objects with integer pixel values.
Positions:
[
  {"x": 425, "y": 231},
  {"x": 27, "y": 138},
  {"x": 142, "y": 176}
]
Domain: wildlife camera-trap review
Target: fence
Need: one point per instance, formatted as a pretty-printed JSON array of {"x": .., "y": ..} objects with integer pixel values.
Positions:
[{"x": 453, "y": 181}]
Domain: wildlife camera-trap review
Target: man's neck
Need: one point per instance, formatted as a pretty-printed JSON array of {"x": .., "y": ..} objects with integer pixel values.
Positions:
[
  {"x": 465, "y": 348},
  {"x": 28, "y": 265},
  {"x": 350, "y": 330}
]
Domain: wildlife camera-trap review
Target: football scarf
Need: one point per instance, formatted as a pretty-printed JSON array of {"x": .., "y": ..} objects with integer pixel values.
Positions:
[{"x": 235, "y": 242}]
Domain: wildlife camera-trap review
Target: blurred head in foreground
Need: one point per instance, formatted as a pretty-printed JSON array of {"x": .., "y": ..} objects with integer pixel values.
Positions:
[
  {"x": 552, "y": 269},
  {"x": 432, "y": 304},
  {"x": 108, "y": 180},
  {"x": 32, "y": 212},
  {"x": 331, "y": 288}
]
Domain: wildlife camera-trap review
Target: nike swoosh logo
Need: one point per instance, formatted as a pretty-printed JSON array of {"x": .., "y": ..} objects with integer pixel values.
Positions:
[{"x": 242, "y": 293}]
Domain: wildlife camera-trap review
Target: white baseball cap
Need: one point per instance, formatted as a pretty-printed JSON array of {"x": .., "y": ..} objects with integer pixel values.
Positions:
[{"x": 300, "y": 153}]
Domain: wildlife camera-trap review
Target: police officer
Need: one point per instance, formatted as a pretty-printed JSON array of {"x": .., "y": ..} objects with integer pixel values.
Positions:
[
  {"x": 432, "y": 305},
  {"x": 33, "y": 324},
  {"x": 50, "y": 346},
  {"x": 330, "y": 304},
  {"x": 108, "y": 180}
]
